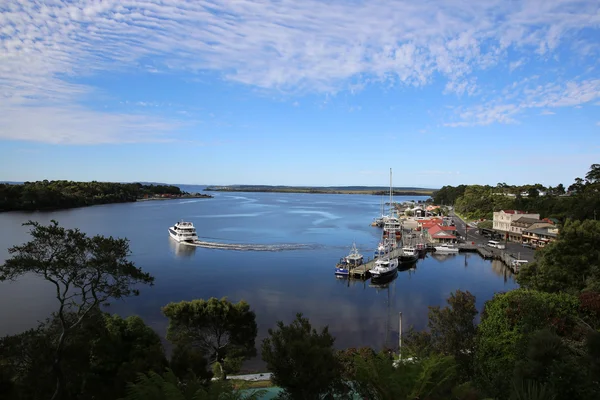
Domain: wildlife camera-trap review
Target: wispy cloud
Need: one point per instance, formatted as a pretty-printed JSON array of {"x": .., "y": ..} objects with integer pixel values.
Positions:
[
  {"x": 285, "y": 45},
  {"x": 524, "y": 95},
  {"x": 547, "y": 112}
]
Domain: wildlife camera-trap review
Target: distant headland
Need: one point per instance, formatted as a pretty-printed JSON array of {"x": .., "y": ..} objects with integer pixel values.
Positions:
[
  {"x": 56, "y": 195},
  {"x": 375, "y": 190}
]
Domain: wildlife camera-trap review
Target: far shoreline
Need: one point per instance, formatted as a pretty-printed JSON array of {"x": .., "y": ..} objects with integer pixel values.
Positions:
[{"x": 317, "y": 190}]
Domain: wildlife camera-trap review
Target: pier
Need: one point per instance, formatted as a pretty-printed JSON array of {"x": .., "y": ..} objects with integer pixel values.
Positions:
[{"x": 362, "y": 271}]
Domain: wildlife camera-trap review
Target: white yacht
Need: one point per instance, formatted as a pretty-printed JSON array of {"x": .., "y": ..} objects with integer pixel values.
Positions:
[
  {"x": 384, "y": 267},
  {"x": 183, "y": 232},
  {"x": 446, "y": 248}
]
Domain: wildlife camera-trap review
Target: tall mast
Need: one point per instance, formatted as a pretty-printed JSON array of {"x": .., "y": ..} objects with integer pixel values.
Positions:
[{"x": 390, "y": 192}]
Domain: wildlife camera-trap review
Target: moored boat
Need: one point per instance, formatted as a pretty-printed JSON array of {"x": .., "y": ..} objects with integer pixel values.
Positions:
[
  {"x": 352, "y": 260},
  {"x": 446, "y": 248},
  {"x": 409, "y": 255},
  {"x": 384, "y": 268}
]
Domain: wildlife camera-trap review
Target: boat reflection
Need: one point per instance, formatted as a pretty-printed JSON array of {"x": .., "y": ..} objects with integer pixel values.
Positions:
[
  {"x": 383, "y": 283},
  {"x": 181, "y": 250},
  {"x": 440, "y": 256}
]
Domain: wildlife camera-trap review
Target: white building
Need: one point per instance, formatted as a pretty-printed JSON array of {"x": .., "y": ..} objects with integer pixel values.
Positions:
[{"x": 503, "y": 219}]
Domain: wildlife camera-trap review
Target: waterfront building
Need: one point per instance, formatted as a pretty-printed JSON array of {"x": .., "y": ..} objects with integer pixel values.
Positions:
[{"x": 503, "y": 219}]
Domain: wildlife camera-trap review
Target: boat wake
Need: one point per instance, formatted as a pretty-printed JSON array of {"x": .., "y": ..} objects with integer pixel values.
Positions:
[{"x": 251, "y": 247}]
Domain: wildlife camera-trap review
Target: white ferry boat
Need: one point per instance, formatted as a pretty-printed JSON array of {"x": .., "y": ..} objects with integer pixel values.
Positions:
[
  {"x": 446, "y": 248},
  {"x": 183, "y": 232}
]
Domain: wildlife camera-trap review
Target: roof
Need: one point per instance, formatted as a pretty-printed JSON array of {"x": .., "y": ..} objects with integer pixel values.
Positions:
[
  {"x": 443, "y": 235},
  {"x": 513, "y": 212},
  {"x": 526, "y": 221},
  {"x": 436, "y": 229},
  {"x": 542, "y": 231}
]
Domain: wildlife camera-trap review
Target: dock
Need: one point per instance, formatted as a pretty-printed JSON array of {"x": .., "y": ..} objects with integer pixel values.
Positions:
[{"x": 362, "y": 271}]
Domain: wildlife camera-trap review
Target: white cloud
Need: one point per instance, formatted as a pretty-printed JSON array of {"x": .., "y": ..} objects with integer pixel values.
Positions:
[
  {"x": 528, "y": 94},
  {"x": 598, "y": 123},
  {"x": 547, "y": 112},
  {"x": 286, "y": 45},
  {"x": 515, "y": 64}
]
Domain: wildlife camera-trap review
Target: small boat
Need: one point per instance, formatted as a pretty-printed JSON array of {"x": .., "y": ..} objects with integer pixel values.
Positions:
[
  {"x": 384, "y": 268},
  {"x": 352, "y": 260},
  {"x": 446, "y": 248},
  {"x": 409, "y": 255},
  {"x": 183, "y": 232},
  {"x": 384, "y": 248}
]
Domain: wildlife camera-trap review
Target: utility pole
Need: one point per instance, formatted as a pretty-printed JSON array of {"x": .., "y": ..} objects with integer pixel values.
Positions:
[{"x": 400, "y": 336}]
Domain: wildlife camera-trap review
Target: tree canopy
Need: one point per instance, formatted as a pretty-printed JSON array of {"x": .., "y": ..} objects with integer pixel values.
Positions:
[
  {"x": 44, "y": 195},
  {"x": 85, "y": 271},
  {"x": 223, "y": 331},
  {"x": 571, "y": 263},
  {"x": 476, "y": 201},
  {"x": 302, "y": 360}
]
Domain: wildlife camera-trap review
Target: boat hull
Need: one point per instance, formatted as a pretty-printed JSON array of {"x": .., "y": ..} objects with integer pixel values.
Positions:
[
  {"x": 446, "y": 250},
  {"x": 177, "y": 238},
  {"x": 408, "y": 259}
]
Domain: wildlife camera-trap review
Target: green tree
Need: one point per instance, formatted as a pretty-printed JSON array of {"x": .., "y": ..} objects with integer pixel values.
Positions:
[
  {"x": 85, "y": 271},
  {"x": 452, "y": 332},
  {"x": 593, "y": 176},
  {"x": 98, "y": 360},
  {"x": 302, "y": 360},
  {"x": 571, "y": 263},
  {"x": 167, "y": 386},
  {"x": 507, "y": 324},
  {"x": 223, "y": 331}
]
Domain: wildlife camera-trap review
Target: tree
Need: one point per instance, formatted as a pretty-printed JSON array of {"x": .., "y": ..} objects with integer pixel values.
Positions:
[
  {"x": 85, "y": 271},
  {"x": 99, "y": 358},
  {"x": 302, "y": 360},
  {"x": 167, "y": 386},
  {"x": 533, "y": 193},
  {"x": 560, "y": 189},
  {"x": 451, "y": 332},
  {"x": 571, "y": 263},
  {"x": 593, "y": 176},
  {"x": 507, "y": 325},
  {"x": 222, "y": 331}
]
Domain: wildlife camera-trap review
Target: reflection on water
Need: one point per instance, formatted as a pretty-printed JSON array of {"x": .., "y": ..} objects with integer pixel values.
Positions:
[
  {"x": 439, "y": 256},
  {"x": 501, "y": 270},
  {"x": 277, "y": 284},
  {"x": 181, "y": 250}
]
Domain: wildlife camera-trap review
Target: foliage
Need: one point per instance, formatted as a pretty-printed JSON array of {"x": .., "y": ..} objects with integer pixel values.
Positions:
[
  {"x": 507, "y": 324},
  {"x": 44, "y": 195},
  {"x": 99, "y": 358},
  {"x": 153, "y": 386},
  {"x": 224, "y": 332},
  {"x": 571, "y": 263},
  {"x": 188, "y": 362},
  {"x": 86, "y": 272},
  {"x": 451, "y": 333},
  {"x": 474, "y": 201},
  {"x": 302, "y": 360}
]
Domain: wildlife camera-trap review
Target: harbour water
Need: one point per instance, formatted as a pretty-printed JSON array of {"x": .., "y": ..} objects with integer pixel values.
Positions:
[{"x": 306, "y": 233}]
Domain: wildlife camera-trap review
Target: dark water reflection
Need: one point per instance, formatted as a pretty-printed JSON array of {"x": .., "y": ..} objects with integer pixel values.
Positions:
[{"x": 276, "y": 284}]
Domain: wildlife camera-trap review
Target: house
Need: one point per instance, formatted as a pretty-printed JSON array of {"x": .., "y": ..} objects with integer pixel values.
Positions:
[
  {"x": 519, "y": 225},
  {"x": 425, "y": 224},
  {"x": 503, "y": 219},
  {"x": 540, "y": 236},
  {"x": 441, "y": 234}
]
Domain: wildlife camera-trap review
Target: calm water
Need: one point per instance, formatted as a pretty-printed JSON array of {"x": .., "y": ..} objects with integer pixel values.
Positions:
[{"x": 276, "y": 284}]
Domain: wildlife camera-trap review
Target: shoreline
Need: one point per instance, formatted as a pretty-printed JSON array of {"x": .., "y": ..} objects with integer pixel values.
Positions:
[
  {"x": 200, "y": 196},
  {"x": 322, "y": 191}
]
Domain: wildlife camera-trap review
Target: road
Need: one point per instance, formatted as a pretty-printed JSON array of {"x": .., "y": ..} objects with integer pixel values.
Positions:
[{"x": 515, "y": 249}]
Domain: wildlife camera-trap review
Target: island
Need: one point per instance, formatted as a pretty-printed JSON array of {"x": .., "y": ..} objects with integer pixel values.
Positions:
[
  {"x": 374, "y": 190},
  {"x": 55, "y": 195}
]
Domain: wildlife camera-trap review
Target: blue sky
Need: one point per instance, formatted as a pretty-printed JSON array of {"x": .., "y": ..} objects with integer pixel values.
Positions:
[{"x": 300, "y": 92}]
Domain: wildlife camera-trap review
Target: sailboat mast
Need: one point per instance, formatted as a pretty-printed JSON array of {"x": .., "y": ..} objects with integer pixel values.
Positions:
[{"x": 390, "y": 192}]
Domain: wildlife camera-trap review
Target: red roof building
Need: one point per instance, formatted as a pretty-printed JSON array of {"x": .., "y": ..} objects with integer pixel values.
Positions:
[{"x": 442, "y": 234}]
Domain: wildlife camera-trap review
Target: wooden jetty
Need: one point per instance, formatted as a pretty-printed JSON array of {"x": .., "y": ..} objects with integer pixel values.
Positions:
[{"x": 362, "y": 271}]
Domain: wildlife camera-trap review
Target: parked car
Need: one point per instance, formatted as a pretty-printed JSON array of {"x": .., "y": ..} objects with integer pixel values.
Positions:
[{"x": 529, "y": 245}]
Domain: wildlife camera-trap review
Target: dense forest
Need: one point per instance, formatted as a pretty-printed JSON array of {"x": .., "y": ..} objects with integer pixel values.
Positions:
[
  {"x": 538, "y": 342},
  {"x": 580, "y": 201},
  {"x": 47, "y": 195}
]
